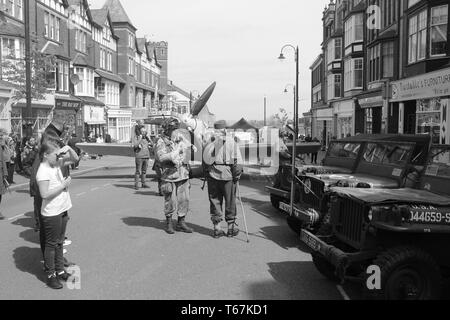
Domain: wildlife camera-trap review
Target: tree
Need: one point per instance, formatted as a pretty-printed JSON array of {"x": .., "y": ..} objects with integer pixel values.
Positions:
[
  {"x": 282, "y": 117},
  {"x": 43, "y": 75}
]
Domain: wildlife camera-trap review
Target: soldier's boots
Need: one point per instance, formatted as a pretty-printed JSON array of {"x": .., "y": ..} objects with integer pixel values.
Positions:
[
  {"x": 233, "y": 231},
  {"x": 169, "y": 226},
  {"x": 218, "y": 232},
  {"x": 136, "y": 182},
  {"x": 182, "y": 226},
  {"x": 144, "y": 184}
]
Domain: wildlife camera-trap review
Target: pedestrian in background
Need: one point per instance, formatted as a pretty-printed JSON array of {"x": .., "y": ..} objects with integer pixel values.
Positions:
[
  {"x": 175, "y": 178},
  {"x": 3, "y": 168},
  {"x": 53, "y": 188},
  {"x": 18, "y": 144},
  {"x": 29, "y": 154},
  {"x": 11, "y": 158},
  {"x": 314, "y": 154},
  {"x": 223, "y": 163},
  {"x": 141, "y": 145}
]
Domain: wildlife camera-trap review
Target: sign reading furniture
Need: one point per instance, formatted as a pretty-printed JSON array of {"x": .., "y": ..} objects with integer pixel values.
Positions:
[{"x": 426, "y": 86}]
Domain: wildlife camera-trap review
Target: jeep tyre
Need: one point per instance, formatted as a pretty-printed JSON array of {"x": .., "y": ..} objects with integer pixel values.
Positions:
[
  {"x": 275, "y": 201},
  {"x": 407, "y": 273},
  {"x": 295, "y": 224},
  {"x": 324, "y": 267}
]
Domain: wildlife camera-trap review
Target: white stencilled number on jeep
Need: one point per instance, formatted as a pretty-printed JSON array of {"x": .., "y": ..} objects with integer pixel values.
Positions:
[{"x": 431, "y": 217}]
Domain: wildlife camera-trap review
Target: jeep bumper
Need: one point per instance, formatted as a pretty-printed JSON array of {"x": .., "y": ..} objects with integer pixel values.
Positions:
[
  {"x": 306, "y": 215},
  {"x": 335, "y": 256},
  {"x": 279, "y": 193}
]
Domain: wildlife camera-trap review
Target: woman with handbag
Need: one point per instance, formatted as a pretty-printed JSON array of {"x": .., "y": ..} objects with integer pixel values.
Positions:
[{"x": 3, "y": 169}]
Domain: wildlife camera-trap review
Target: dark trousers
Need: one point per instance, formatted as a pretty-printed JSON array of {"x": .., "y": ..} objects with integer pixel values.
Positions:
[
  {"x": 10, "y": 167},
  {"x": 220, "y": 191},
  {"x": 54, "y": 228},
  {"x": 314, "y": 158},
  {"x": 37, "y": 207}
]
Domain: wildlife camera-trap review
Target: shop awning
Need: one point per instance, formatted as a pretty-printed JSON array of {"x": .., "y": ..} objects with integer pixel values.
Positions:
[
  {"x": 95, "y": 123},
  {"x": 109, "y": 76},
  {"x": 47, "y": 103},
  {"x": 90, "y": 101},
  {"x": 144, "y": 87},
  {"x": 67, "y": 102}
]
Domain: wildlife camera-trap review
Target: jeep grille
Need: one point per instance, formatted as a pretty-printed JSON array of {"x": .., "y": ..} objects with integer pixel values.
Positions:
[
  {"x": 347, "y": 218},
  {"x": 312, "y": 199}
]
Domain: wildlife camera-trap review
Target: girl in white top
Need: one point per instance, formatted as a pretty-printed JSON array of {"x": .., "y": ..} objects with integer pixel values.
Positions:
[{"x": 56, "y": 203}]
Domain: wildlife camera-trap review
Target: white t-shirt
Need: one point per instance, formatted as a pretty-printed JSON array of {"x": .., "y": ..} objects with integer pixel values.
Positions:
[{"x": 60, "y": 204}]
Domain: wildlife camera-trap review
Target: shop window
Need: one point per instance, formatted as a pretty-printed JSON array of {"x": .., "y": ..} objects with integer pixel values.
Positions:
[{"x": 429, "y": 118}]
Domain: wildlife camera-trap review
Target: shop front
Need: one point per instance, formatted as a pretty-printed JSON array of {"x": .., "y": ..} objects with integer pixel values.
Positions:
[
  {"x": 40, "y": 118},
  {"x": 70, "y": 108},
  {"x": 423, "y": 103},
  {"x": 119, "y": 125},
  {"x": 323, "y": 125},
  {"x": 371, "y": 108},
  {"x": 94, "y": 119},
  {"x": 343, "y": 115}
]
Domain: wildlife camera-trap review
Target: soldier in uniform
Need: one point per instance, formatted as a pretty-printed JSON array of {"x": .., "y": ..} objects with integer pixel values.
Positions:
[
  {"x": 223, "y": 166},
  {"x": 175, "y": 185}
]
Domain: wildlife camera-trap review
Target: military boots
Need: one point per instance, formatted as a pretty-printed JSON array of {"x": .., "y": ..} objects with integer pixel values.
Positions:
[
  {"x": 182, "y": 226},
  {"x": 169, "y": 226}
]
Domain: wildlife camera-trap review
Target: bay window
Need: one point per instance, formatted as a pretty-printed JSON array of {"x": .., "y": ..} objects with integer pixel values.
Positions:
[
  {"x": 353, "y": 78},
  {"x": 63, "y": 76},
  {"x": 417, "y": 37},
  {"x": 86, "y": 86},
  {"x": 334, "y": 86},
  {"x": 438, "y": 30},
  {"x": 354, "y": 29}
]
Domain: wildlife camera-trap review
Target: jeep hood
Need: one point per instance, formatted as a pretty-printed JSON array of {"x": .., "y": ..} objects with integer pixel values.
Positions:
[
  {"x": 352, "y": 180},
  {"x": 384, "y": 196}
]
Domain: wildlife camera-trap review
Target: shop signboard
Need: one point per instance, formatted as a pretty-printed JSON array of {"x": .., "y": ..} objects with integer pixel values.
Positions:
[{"x": 426, "y": 86}]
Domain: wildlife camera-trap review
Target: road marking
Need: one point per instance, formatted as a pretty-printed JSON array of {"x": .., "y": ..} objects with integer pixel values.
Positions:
[
  {"x": 93, "y": 189},
  {"x": 81, "y": 194},
  {"x": 18, "y": 216},
  {"x": 343, "y": 293},
  {"x": 107, "y": 185}
]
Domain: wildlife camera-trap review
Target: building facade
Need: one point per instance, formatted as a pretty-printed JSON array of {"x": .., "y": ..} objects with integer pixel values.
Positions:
[
  {"x": 385, "y": 68},
  {"x": 98, "y": 73}
]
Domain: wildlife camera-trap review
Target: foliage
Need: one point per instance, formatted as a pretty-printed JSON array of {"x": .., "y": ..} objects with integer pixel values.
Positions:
[{"x": 14, "y": 71}]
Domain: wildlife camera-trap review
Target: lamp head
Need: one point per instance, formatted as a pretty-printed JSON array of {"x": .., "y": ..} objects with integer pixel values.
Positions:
[{"x": 282, "y": 57}]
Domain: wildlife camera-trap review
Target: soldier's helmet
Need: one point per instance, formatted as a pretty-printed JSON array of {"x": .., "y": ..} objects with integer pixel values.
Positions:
[{"x": 170, "y": 124}]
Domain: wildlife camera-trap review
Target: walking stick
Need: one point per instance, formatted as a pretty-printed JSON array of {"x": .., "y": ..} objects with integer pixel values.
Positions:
[{"x": 243, "y": 212}]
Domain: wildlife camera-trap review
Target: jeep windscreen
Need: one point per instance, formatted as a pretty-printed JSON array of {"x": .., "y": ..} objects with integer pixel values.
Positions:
[
  {"x": 386, "y": 159},
  {"x": 343, "y": 154},
  {"x": 437, "y": 173}
]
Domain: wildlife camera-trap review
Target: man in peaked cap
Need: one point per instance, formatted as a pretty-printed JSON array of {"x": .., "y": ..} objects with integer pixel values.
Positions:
[
  {"x": 223, "y": 166},
  {"x": 175, "y": 185}
]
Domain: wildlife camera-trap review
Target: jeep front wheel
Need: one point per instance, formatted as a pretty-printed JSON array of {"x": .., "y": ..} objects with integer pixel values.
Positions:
[
  {"x": 275, "y": 201},
  {"x": 324, "y": 267},
  {"x": 295, "y": 225},
  {"x": 407, "y": 273}
]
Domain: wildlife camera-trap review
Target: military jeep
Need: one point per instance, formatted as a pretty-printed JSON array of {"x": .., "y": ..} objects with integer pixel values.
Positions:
[
  {"x": 391, "y": 163},
  {"x": 404, "y": 233},
  {"x": 341, "y": 157}
]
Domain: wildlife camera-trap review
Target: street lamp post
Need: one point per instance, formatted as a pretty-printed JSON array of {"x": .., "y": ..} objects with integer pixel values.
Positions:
[{"x": 294, "y": 146}]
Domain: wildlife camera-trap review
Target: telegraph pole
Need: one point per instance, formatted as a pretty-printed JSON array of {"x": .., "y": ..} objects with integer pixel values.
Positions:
[
  {"x": 29, "y": 111},
  {"x": 265, "y": 111}
]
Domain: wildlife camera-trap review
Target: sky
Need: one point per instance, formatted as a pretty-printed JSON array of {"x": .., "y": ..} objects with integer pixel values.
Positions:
[{"x": 235, "y": 43}]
